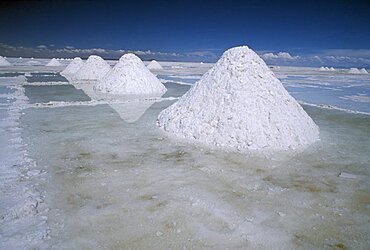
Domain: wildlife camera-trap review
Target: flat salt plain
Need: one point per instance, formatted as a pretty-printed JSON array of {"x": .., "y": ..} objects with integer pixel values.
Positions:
[{"x": 83, "y": 173}]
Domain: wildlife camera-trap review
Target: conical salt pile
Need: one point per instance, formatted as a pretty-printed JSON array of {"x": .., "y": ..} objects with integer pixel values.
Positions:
[
  {"x": 364, "y": 71},
  {"x": 4, "y": 62},
  {"x": 354, "y": 71},
  {"x": 72, "y": 68},
  {"x": 239, "y": 103},
  {"x": 130, "y": 76},
  {"x": 53, "y": 63},
  {"x": 154, "y": 65},
  {"x": 93, "y": 69}
]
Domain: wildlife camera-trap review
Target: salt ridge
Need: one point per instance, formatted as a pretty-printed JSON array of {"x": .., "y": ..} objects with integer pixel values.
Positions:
[{"x": 240, "y": 103}]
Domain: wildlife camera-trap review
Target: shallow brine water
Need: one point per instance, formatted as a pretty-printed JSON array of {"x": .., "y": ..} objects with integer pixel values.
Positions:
[{"x": 113, "y": 180}]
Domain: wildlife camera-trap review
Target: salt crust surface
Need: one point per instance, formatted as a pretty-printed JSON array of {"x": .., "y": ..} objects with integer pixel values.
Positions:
[
  {"x": 72, "y": 68},
  {"x": 23, "y": 221},
  {"x": 130, "y": 76},
  {"x": 93, "y": 69},
  {"x": 154, "y": 65},
  {"x": 4, "y": 62},
  {"x": 239, "y": 103},
  {"x": 53, "y": 63}
]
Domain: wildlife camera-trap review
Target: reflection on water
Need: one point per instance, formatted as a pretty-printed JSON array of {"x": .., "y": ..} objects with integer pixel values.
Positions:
[{"x": 129, "y": 108}]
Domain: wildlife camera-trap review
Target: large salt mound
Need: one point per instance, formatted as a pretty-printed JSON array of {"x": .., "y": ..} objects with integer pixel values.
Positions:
[
  {"x": 240, "y": 103},
  {"x": 72, "y": 68},
  {"x": 4, "y": 62},
  {"x": 93, "y": 69},
  {"x": 364, "y": 71},
  {"x": 130, "y": 76},
  {"x": 154, "y": 65},
  {"x": 53, "y": 63}
]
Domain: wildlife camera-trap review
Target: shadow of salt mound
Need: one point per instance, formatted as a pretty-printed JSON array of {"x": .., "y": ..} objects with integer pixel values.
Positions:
[{"x": 129, "y": 107}]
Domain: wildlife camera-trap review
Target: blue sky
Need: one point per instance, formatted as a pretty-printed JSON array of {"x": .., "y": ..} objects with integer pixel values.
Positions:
[{"x": 196, "y": 30}]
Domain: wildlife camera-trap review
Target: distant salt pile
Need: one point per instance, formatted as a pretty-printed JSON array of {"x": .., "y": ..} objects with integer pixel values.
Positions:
[
  {"x": 93, "y": 69},
  {"x": 72, "y": 68},
  {"x": 326, "y": 69},
  {"x": 154, "y": 65},
  {"x": 130, "y": 76},
  {"x": 33, "y": 63},
  {"x": 4, "y": 62},
  {"x": 239, "y": 103},
  {"x": 357, "y": 71},
  {"x": 354, "y": 71},
  {"x": 53, "y": 63}
]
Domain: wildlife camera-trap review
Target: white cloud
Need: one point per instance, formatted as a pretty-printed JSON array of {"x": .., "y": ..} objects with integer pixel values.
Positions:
[
  {"x": 330, "y": 58},
  {"x": 349, "y": 53},
  {"x": 268, "y": 56},
  {"x": 279, "y": 55},
  {"x": 70, "y": 51}
]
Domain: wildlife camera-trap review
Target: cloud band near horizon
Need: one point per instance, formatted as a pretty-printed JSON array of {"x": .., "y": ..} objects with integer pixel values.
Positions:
[{"x": 330, "y": 57}]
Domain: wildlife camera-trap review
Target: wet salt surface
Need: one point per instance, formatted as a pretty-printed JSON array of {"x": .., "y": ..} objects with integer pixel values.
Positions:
[
  {"x": 114, "y": 184},
  {"x": 10, "y": 74},
  {"x": 44, "y": 94},
  {"x": 43, "y": 77},
  {"x": 329, "y": 88}
]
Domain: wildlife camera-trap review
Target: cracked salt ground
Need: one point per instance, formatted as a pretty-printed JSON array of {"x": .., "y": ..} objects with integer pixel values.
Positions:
[{"x": 110, "y": 184}]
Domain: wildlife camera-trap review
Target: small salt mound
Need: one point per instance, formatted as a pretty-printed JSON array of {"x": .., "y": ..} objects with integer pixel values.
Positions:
[
  {"x": 364, "y": 71},
  {"x": 93, "y": 69},
  {"x": 240, "y": 103},
  {"x": 326, "y": 69},
  {"x": 354, "y": 71},
  {"x": 72, "y": 68},
  {"x": 53, "y": 63},
  {"x": 4, "y": 62},
  {"x": 154, "y": 65},
  {"x": 130, "y": 76}
]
